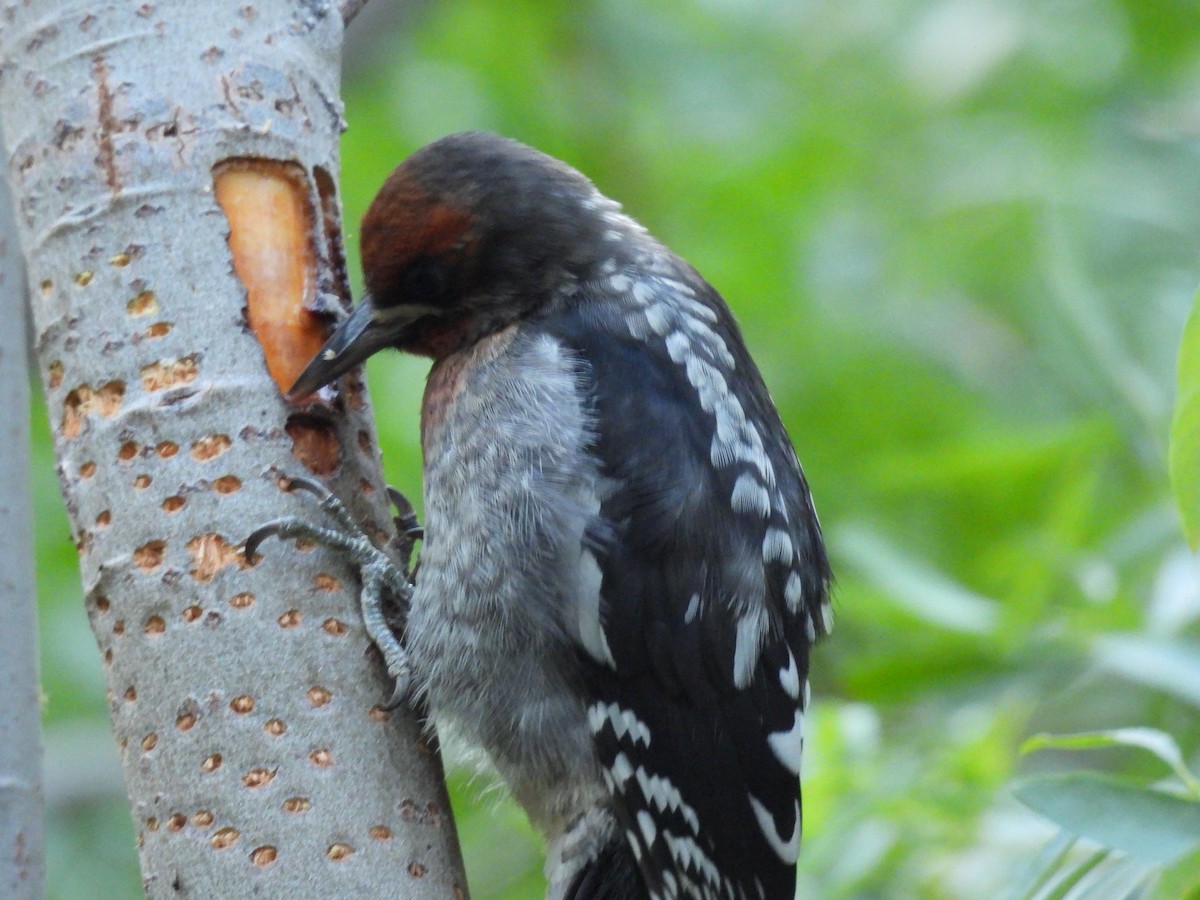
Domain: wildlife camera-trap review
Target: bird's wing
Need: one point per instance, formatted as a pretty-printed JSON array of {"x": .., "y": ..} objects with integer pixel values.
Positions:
[{"x": 712, "y": 586}]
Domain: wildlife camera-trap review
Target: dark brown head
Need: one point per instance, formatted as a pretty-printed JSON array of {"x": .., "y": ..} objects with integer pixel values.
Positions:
[{"x": 468, "y": 235}]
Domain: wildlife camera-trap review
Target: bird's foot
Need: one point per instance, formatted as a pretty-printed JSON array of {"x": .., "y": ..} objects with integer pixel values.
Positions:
[{"x": 378, "y": 572}]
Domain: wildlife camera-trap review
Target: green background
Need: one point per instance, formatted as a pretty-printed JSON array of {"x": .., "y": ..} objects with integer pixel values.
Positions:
[{"x": 960, "y": 237}]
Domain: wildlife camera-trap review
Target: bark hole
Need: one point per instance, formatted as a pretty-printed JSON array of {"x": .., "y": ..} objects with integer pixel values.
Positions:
[
  {"x": 168, "y": 373},
  {"x": 314, "y": 443},
  {"x": 158, "y": 329},
  {"x": 271, "y": 239},
  {"x": 149, "y": 556},
  {"x": 257, "y": 778},
  {"x": 84, "y": 401},
  {"x": 144, "y": 304},
  {"x": 243, "y": 600},
  {"x": 227, "y": 484},
  {"x": 264, "y": 856},
  {"x": 211, "y": 553},
  {"x": 210, "y": 447}
]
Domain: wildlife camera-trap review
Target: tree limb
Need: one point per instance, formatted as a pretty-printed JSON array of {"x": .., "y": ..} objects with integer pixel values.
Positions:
[
  {"x": 246, "y": 699},
  {"x": 22, "y": 862}
]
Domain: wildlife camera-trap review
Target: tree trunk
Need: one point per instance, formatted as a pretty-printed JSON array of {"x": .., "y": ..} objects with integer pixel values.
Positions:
[
  {"x": 22, "y": 863},
  {"x": 172, "y": 166}
]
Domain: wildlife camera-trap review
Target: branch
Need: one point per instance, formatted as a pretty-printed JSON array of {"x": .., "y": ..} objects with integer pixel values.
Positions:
[
  {"x": 171, "y": 293},
  {"x": 22, "y": 863}
]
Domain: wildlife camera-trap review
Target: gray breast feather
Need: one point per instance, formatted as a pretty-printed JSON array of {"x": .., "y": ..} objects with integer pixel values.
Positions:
[{"x": 506, "y": 590}]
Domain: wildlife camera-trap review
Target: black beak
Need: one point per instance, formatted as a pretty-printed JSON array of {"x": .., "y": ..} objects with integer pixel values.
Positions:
[{"x": 357, "y": 337}]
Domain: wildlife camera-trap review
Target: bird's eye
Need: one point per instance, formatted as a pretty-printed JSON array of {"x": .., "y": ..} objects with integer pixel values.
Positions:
[{"x": 425, "y": 281}]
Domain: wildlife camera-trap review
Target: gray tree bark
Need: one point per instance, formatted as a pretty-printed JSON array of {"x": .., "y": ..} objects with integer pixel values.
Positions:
[
  {"x": 172, "y": 168},
  {"x": 22, "y": 863}
]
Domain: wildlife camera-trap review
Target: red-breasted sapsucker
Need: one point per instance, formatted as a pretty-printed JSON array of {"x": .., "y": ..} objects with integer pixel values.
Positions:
[{"x": 622, "y": 571}]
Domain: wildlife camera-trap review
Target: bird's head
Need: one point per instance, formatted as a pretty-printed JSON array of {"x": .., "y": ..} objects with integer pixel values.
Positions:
[{"x": 468, "y": 235}]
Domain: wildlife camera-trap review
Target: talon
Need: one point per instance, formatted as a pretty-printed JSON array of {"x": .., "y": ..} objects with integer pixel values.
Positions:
[
  {"x": 379, "y": 573},
  {"x": 256, "y": 537},
  {"x": 311, "y": 485},
  {"x": 406, "y": 516},
  {"x": 399, "y": 501},
  {"x": 401, "y": 690}
]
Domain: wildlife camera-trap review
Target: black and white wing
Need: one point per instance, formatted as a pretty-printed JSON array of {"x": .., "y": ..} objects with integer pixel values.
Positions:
[{"x": 714, "y": 585}]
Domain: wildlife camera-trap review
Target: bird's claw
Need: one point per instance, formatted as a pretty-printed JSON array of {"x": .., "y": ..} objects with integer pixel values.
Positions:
[
  {"x": 378, "y": 572},
  {"x": 400, "y": 695},
  {"x": 408, "y": 529}
]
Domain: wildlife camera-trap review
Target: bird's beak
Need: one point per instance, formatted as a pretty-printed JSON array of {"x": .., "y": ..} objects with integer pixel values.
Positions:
[{"x": 361, "y": 334}]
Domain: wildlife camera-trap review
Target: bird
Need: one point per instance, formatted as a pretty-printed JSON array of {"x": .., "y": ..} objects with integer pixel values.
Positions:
[{"x": 622, "y": 571}]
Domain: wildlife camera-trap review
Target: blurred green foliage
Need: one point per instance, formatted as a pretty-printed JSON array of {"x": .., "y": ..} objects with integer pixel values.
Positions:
[
  {"x": 961, "y": 239},
  {"x": 1184, "y": 456}
]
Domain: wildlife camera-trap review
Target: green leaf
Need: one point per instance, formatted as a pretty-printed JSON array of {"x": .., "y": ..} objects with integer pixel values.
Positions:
[
  {"x": 1118, "y": 876},
  {"x": 1042, "y": 869},
  {"x": 1071, "y": 874},
  {"x": 1180, "y": 880},
  {"x": 1168, "y": 664},
  {"x": 913, "y": 585},
  {"x": 1145, "y": 823},
  {"x": 1157, "y": 742},
  {"x": 1185, "y": 429}
]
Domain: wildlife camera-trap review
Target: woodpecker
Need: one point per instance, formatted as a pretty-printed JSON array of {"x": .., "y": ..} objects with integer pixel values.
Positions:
[{"x": 622, "y": 571}]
